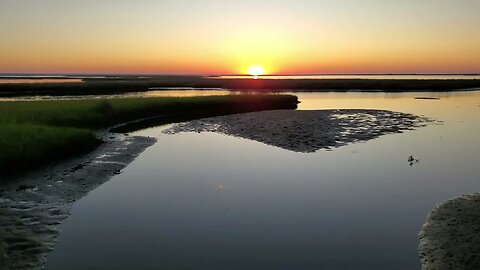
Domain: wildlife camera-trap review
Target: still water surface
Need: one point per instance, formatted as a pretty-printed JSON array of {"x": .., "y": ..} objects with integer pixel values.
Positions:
[
  {"x": 210, "y": 201},
  {"x": 39, "y": 80},
  {"x": 362, "y": 76}
]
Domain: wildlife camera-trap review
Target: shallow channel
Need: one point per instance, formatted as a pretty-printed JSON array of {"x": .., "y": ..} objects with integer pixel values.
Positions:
[{"x": 212, "y": 201}]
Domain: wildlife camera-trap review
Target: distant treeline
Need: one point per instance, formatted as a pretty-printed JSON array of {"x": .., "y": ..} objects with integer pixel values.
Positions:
[{"x": 125, "y": 84}]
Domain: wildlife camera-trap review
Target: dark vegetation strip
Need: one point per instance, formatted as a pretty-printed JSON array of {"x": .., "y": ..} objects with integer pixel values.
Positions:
[
  {"x": 129, "y": 84},
  {"x": 350, "y": 84},
  {"x": 36, "y": 133}
]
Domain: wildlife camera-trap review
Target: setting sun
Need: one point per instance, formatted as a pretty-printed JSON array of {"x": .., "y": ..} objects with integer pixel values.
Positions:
[
  {"x": 262, "y": 134},
  {"x": 256, "y": 70}
]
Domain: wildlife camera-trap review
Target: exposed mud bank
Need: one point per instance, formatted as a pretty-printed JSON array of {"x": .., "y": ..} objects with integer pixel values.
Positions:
[
  {"x": 307, "y": 131},
  {"x": 31, "y": 207},
  {"x": 450, "y": 239}
]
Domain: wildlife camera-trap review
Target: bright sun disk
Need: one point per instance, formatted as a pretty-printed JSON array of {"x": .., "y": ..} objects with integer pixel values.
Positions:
[{"x": 256, "y": 70}]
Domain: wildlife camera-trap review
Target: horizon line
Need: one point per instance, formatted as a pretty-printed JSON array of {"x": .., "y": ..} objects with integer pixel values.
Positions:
[{"x": 6, "y": 74}]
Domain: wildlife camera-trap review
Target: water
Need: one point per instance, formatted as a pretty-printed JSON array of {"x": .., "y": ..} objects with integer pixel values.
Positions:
[
  {"x": 210, "y": 201},
  {"x": 362, "y": 76},
  {"x": 195, "y": 92},
  {"x": 152, "y": 93},
  {"x": 39, "y": 80}
]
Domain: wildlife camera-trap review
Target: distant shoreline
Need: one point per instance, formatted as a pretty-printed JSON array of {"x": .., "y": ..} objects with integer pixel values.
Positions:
[
  {"x": 83, "y": 75},
  {"x": 101, "y": 85}
]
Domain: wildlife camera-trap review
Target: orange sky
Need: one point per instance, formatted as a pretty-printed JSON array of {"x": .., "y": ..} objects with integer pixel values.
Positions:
[{"x": 227, "y": 37}]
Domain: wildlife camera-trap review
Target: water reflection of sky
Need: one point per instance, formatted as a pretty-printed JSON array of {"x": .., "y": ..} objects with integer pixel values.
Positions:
[
  {"x": 360, "y": 76},
  {"x": 152, "y": 93},
  {"x": 209, "y": 201},
  {"x": 40, "y": 80}
]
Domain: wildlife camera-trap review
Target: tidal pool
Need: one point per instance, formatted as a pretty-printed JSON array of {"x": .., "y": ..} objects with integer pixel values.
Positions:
[{"x": 213, "y": 201}]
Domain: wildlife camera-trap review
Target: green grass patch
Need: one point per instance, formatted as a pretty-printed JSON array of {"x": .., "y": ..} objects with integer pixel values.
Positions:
[
  {"x": 35, "y": 133},
  {"x": 27, "y": 146}
]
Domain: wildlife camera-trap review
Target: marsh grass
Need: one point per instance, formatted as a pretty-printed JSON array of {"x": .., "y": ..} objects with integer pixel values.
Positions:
[
  {"x": 134, "y": 84},
  {"x": 27, "y": 146},
  {"x": 35, "y": 133}
]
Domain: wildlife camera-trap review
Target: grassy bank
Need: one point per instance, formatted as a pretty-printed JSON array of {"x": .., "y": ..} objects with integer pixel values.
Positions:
[
  {"x": 135, "y": 84},
  {"x": 36, "y": 133}
]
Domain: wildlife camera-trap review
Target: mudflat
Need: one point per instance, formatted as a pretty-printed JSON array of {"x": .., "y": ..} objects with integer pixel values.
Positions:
[
  {"x": 450, "y": 239},
  {"x": 31, "y": 207},
  {"x": 307, "y": 131}
]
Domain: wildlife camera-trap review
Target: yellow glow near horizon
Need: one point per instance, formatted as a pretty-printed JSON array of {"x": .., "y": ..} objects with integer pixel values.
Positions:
[
  {"x": 256, "y": 70},
  {"x": 227, "y": 37}
]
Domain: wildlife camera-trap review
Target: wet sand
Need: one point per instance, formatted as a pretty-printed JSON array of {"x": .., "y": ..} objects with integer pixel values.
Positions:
[
  {"x": 307, "y": 131},
  {"x": 32, "y": 207},
  {"x": 450, "y": 239}
]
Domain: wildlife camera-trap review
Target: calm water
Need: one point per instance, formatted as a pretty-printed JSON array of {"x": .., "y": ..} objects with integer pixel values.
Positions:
[
  {"x": 209, "y": 201},
  {"x": 40, "y": 80},
  {"x": 364, "y": 76},
  {"x": 151, "y": 93}
]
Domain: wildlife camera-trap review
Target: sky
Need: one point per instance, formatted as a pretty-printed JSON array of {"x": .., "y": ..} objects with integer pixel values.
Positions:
[{"x": 229, "y": 36}]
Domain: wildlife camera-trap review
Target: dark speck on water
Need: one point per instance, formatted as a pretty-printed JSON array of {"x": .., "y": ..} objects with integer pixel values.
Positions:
[{"x": 412, "y": 160}]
